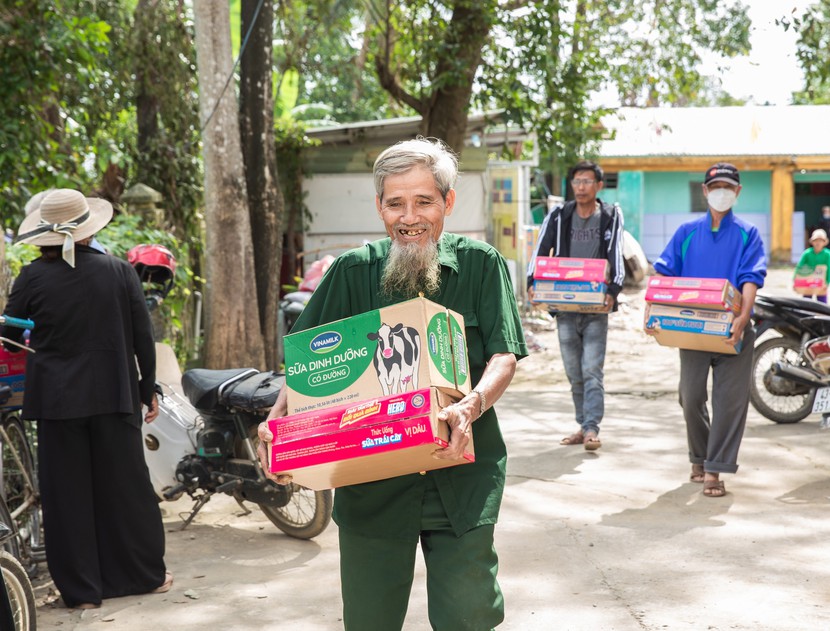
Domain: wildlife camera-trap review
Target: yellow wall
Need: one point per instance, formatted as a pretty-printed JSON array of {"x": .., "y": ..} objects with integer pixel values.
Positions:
[{"x": 504, "y": 196}]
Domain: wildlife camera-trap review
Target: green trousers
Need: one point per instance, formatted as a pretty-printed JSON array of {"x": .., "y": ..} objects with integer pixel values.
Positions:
[{"x": 463, "y": 594}]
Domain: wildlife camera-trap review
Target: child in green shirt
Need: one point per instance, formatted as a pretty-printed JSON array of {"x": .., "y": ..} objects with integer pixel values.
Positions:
[{"x": 813, "y": 257}]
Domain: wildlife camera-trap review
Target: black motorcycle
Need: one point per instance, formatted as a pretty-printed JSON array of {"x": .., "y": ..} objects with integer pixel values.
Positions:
[{"x": 796, "y": 320}]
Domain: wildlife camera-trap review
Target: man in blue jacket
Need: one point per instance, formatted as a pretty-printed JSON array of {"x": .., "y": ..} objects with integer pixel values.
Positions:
[
  {"x": 588, "y": 228},
  {"x": 717, "y": 245}
]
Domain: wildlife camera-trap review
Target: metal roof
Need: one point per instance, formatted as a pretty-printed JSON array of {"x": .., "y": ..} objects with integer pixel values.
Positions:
[
  {"x": 788, "y": 130},
  {"x": 392, "y": 129}
]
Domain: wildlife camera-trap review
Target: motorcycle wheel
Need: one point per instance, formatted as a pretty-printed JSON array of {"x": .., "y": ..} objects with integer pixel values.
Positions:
[
  {"x": 778, "y": 407},
  {"x": 305, "y": 515},
  {"x": 21, "y": 595}
]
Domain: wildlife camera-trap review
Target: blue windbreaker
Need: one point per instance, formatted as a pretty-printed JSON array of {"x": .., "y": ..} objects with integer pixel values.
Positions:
[{"x": 734, "y": 252}]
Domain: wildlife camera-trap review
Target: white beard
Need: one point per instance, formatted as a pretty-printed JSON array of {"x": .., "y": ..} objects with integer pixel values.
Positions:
[{"x": 411, "y": 269}]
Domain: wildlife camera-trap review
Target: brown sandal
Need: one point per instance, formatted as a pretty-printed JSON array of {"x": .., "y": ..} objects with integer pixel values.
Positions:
[
  {"x": 573, "y": 439},
  {"x": 166, "y": 585},
  {"x": 697, "y": 473},
  {"x": 592, "y": 442},
  {"x": 714, "y": 488}
]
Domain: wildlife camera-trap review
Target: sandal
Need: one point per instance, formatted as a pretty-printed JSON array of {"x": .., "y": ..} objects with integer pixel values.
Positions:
[
  {"x": 697, "y": 473},
  {"x": 573, "y": 439},
  {"x": 165, "y": 586},
  {"x": 714, "y": 488},
  {"x": 592, "y": 442}
]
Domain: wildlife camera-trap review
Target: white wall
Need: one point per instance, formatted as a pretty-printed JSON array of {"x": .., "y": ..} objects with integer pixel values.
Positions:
[
  {"x": 658, "y": 229},
  {"x": 343, "y": 211}
]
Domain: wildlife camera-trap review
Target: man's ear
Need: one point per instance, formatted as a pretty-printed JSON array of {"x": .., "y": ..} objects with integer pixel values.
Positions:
[
  {"x": 450, "y": 203},
  {"x": 377, "y": 205}
]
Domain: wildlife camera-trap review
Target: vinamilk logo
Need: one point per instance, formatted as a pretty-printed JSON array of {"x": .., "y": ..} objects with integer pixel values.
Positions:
[{"x": 325, "y": 342}]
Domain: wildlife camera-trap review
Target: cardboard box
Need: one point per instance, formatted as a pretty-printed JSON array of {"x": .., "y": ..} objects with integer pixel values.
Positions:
[
  {"x": 692, "y": 328},
  {"x": 570, "y": 295},
  {"x": 13, "y": 374},
  {"x": 565, "y": 268},
  {"x": 811, "y": 281},
  {"x": 371, "y": 440},
  {"x": 401, "y": 348},
  {"x": 703, "y": 293}
]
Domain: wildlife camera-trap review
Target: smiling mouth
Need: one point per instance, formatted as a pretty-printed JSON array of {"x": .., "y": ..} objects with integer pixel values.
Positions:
[{"x": 411, "y": 232}]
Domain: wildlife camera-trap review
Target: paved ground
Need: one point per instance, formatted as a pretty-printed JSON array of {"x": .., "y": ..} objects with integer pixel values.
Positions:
[{"x": 612, "y": 540}]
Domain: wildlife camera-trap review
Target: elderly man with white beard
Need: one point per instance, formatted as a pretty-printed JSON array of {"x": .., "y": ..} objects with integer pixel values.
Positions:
[{"x": 452, "y": 512}]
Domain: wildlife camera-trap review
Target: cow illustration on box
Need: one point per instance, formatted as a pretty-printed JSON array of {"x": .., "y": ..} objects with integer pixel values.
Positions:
[{"x": 397, "y": 358}]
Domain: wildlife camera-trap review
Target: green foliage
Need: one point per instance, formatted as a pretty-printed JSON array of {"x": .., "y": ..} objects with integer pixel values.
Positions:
[
  {"x": 813, "y": 28},
  {"x": 52, "y": 53},
  {"x": 291, "y": 141},
  {"x": 20, "y": 254},
  {"x": 326, "y": 42},
  {"x": 548, "y": 64},
  {"x": 125, "y": 232},
  {"x": 168, "y": 160}
]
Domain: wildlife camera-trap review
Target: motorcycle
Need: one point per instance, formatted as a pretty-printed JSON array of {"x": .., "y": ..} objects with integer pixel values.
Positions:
[
  {"x": 815, "y": 375},
  {"x": 203, "y": 441},
  {"x": 796, "y": 320}
]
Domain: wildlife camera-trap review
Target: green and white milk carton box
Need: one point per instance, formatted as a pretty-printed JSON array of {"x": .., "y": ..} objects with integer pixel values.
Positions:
[{"x": 400, "y": 348}]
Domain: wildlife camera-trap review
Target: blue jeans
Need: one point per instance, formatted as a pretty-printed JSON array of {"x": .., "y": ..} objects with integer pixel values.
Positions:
[{"x": 582, "y": 339}]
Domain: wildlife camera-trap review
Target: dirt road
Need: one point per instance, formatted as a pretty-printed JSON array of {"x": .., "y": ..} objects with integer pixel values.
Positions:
[{"x": 612, "y": 540}]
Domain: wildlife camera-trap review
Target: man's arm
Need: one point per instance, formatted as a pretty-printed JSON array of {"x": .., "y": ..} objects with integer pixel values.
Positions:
[
  {"x": 748, "y": 292},
  {"x": 616, "y": 262},
  {"x": 460, "y": 416},
  {"x": 544, "y": 244}
]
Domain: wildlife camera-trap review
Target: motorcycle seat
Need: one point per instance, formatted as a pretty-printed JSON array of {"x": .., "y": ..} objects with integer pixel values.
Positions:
[
  {"x": 253, "y": 393},
  {"x": 204, "y": 387},
  {"x": 802, "y": 304}
]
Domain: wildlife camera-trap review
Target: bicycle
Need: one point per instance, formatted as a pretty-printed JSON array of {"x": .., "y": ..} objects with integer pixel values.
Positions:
[
  {"x": 18, "y": 479},
  {"x": 17, "y": 598}
]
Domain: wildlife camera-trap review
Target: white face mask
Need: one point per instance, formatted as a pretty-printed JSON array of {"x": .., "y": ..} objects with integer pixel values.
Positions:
[{"x": 721, "y": 199}]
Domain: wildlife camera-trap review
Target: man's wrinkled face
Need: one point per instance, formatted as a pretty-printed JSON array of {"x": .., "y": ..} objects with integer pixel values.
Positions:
[{"x": 412, "y": 208}]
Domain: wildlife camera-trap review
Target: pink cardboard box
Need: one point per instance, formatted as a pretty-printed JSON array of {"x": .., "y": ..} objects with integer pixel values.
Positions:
[
  {"x": 371, "y": 440},
  {"x": 564, "y": 268},
  {"x": 811, "y": 282},
  {"x": 703, "y": 293},
  {"x": 564, "y": 295}
]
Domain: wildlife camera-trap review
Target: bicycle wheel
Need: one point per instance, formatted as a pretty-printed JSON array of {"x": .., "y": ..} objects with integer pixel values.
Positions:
[
  {"x": 21, "y": 492},
  {"x": 21, "y": 595}
]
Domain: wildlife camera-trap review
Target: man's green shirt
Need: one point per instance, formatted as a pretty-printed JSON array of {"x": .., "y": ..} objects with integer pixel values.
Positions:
[{"x": 475, "y": 283}]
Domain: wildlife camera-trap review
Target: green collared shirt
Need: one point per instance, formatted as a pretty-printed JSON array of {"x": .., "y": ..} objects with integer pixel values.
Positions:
[{"x": 475, "y": 283}]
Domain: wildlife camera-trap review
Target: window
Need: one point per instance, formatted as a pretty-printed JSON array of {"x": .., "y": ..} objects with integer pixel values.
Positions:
[
  {"x": 611, "y": 179},
  {"x": 699, "y": 204}
]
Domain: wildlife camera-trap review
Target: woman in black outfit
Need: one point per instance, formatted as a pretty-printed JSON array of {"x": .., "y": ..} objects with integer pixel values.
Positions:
[{"x": 92, "y": 369}]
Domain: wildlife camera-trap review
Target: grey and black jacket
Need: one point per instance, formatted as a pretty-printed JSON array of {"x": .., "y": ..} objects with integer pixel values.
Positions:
[{"x": 555, "y": 240}]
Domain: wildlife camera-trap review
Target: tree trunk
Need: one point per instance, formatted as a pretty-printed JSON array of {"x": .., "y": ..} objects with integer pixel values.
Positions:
[
  {"x": 232, "y": 330},
  {"x": 146, "y": 75},
  {"x": 265, "y": 200},
  {"x": 466, "y": 36}
]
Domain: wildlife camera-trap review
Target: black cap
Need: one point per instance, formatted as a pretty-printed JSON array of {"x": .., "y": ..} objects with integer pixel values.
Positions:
[{"x": 722, "y": 172}]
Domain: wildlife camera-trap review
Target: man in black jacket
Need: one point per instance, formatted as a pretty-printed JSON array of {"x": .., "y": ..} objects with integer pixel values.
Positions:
[{"x": 584, "y": 228}]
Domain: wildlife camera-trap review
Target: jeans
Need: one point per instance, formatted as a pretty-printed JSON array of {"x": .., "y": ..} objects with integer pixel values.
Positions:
[{"x": 582, "y": 339}]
